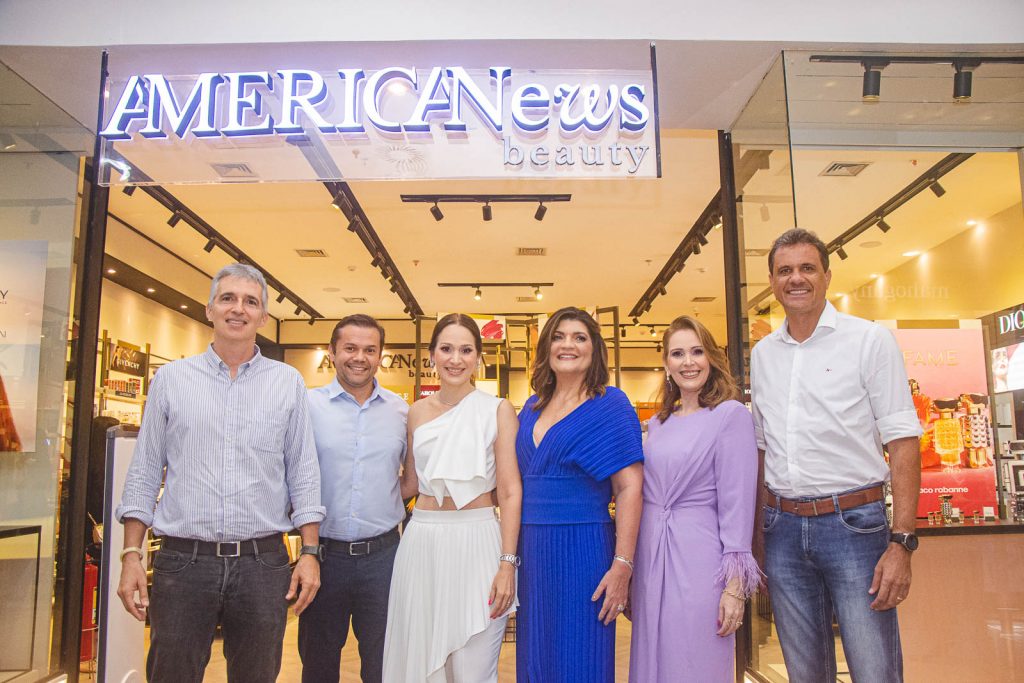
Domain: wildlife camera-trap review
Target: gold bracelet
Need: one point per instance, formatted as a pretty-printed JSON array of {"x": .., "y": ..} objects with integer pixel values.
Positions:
[
  {"x": 734, "y": 594},
  {"x": 133, "y": 549}
]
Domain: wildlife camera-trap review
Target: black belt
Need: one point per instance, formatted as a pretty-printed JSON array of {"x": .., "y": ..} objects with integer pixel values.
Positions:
[
  {"x": 364, "y": 547},
  {"x": 253, "y": 546}
]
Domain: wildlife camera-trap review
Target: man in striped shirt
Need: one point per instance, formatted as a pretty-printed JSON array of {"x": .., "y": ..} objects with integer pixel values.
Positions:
[{"x": 228, "y": 434}]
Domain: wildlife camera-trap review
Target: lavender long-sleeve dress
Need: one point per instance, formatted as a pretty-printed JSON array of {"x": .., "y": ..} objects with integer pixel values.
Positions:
[{"x": 700, "y": 480}]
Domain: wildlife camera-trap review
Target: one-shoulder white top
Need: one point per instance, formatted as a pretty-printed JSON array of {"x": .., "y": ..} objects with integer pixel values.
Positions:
[{"x": 454, "y": 453}]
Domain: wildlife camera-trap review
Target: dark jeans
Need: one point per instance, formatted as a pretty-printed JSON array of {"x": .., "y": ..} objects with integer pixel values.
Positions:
[
  {"x": 193, "y": 593},
  {"x": 818, "y": 566},
  {"x": 350, "y": 586}
]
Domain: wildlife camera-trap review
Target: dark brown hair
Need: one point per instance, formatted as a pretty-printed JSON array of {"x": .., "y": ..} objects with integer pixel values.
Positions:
[
  {"x": 542, "y": 379},
  {"x": 457, "y": 319},
  {"x": 721, "y": 386},
  {"x": 795, "y": 236},
  {"x": 358, "y": 320}
]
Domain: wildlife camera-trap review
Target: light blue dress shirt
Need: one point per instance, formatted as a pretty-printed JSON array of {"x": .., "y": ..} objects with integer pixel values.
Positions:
[
  {"x": 361, "y": 449},
  {"x": 238, "y": 454}
]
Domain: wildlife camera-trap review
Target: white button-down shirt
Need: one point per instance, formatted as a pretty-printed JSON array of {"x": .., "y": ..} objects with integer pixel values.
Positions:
[{"x": 824, "y": 407}]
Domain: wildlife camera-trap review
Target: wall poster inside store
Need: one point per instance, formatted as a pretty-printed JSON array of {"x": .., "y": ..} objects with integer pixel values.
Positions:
[
  {"x": 1008, "y": 368},
  {"x": 22, "y": 281},
  {"x": 946, "y": 368}
]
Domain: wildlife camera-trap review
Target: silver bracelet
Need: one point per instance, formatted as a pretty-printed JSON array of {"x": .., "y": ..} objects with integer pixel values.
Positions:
[
  {"x": 510, "y": 558},
  {"x": 624, "y": 560}
]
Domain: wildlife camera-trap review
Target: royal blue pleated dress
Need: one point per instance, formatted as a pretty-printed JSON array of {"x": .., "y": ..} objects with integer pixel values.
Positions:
[{"x": 567, "y": 538}]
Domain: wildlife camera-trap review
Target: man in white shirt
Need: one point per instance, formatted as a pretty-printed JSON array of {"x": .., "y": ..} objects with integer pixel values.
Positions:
[{"x": 829, "y": 390}]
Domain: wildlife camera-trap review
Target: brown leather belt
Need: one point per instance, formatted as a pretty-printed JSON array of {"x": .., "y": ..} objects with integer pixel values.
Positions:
[{"x": 824, "y": 505}]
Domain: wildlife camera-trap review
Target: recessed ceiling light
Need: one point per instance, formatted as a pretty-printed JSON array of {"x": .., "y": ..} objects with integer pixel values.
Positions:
[
  {"x": 911, "y": 254},
  {"x": 972, "y": 222},
  {"x": 111, "y": 271},
  {"x": 874, "y": 276},
  {"x": 150, "y": 290},
  {"x": 184, "y": 306}
]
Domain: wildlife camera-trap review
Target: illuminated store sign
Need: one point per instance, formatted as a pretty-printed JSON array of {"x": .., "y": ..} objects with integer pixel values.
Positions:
[
  {"x": 1012, "y": 321},
  {"x": 392, "y": 122}
]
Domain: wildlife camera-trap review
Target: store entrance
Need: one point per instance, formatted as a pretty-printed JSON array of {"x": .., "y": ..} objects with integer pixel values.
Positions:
[{"x": 331, "y": 250}]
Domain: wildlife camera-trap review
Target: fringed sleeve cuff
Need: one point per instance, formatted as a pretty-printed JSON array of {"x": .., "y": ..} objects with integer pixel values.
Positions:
[{"x": 740, "y": 566}]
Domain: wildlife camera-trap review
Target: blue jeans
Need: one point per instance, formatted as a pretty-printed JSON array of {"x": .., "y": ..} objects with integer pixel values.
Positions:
[
  {"x": 818, "y": 566},
  {"x": 193, "y": 593},
  {"x": 353, "y": 587}
]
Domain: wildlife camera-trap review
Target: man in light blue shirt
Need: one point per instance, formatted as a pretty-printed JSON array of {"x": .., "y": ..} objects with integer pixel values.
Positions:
[
  {"x": 227, "y": 435},
  {"x": 360, "y": 433}
]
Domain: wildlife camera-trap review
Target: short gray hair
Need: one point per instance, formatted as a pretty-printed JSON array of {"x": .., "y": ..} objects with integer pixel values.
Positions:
[
  {"x": 243, "y": 271},
  {"x": 795, "y": 236}
]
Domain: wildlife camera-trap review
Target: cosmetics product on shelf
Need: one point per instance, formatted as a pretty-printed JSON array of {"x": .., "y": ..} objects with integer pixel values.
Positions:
[
  {"x": 945, "y": 502},
  {"x": 949, "y": 442},
  {"x": 977, "y": 430}
]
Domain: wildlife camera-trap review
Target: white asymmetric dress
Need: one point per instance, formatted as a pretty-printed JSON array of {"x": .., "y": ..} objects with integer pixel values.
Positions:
[{"x": 446, "y": 561}]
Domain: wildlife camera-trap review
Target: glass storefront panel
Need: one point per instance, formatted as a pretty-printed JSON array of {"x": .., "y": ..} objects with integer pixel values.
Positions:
[
  {"x": 918, "y": 197},
  {"x": 40, "y": 157}
]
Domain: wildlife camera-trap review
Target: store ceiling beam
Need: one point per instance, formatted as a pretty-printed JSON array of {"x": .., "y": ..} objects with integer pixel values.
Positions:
[
  {"x": 878, "y": 215},
  {"x": 183, "y": 213},
  {"x": 750, "y": 163},
  {"x": 358, "y": 222}
]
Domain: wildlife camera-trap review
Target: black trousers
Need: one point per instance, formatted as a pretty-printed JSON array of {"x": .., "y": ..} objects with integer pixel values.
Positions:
[{"x": 351, "y": 587}]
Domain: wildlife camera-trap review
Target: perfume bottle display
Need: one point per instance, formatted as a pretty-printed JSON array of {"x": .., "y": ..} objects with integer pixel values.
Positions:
[
  {"x": 977, "y": 429},
  {"x": 949, "y": 441},
  {"x": 946, "y": 503}
]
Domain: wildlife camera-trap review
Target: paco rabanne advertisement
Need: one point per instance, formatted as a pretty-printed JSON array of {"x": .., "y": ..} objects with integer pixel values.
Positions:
[
  {"x": 947, "y": 380},
  {"x": 22, "y": 281}
]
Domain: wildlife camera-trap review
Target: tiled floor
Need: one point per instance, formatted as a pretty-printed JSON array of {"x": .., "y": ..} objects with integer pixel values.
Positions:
[{"x": 291, "y": 666}]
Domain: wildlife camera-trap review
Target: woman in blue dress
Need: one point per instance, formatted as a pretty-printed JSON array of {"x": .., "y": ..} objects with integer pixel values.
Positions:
[{"x": 578, "y": 443}]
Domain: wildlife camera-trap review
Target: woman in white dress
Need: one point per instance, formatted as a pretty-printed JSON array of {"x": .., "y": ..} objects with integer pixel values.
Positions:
[{"x": 454, "y": 582}]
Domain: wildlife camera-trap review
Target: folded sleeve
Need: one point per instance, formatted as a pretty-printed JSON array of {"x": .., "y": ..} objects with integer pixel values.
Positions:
[
  {"x": 146, "y": 472},
  {"x": 885, "y": 379},
  {"x": 613, "y": 440},
  {"x": 302, "y": 469}
]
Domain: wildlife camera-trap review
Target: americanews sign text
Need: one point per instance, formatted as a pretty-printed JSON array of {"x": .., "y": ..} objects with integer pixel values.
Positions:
[{"x": 436, "y": 122}]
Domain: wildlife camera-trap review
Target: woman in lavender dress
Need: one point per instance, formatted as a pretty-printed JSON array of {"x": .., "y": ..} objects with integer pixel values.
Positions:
[{"x": 694, "y": 569}]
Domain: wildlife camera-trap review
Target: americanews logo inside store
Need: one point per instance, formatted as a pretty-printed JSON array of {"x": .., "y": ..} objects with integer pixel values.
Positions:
[{"x": 537, "y": 118}]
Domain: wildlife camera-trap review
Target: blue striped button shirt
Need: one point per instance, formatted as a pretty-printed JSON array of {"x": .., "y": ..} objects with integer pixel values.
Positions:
[
  {"x": 239, "y": 455},
  {"x": 361, "y": 449}
]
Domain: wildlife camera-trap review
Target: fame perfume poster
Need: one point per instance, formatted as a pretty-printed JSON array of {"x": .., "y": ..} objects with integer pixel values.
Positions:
[
  {"x": 946, "y": 369},
  {"x": 22, "y": 281}
]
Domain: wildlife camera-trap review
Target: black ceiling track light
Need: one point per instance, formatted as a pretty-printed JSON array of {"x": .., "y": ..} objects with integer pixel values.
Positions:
[
  {"x": 358, "y": 222},
  {"x": 871, "y": 90},
  {"x": 928, "y": 180},
  {"x": 487, "y": 200},
  {"x": 478, "y": 287},
  {"x": 747, "y": 165},
  {"x": 963, "y": 68},
  {"x": 181, "y": 212}
]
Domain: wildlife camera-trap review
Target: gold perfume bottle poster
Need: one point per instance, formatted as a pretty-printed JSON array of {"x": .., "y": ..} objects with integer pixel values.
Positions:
[
  {"x": 22, "y": 281},
  {"x": 946, "y": 369}
]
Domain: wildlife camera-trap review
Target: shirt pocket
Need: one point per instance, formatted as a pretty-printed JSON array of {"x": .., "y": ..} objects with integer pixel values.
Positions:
[{"x": 266, "y": 429}]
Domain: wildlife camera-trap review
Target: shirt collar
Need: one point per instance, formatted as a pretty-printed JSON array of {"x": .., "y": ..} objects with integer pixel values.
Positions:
[
  {"x": 334, "y": 389},
  {"x": 214, "y": 360},
  {"x": 826, "y": 319}
]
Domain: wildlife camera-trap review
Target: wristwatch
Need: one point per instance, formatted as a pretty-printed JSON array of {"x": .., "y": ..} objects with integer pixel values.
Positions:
[
  {"x": 316, "y": 551},
  {"x": 510, "y": 558},
  {"x": 908, "y": 541}
]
